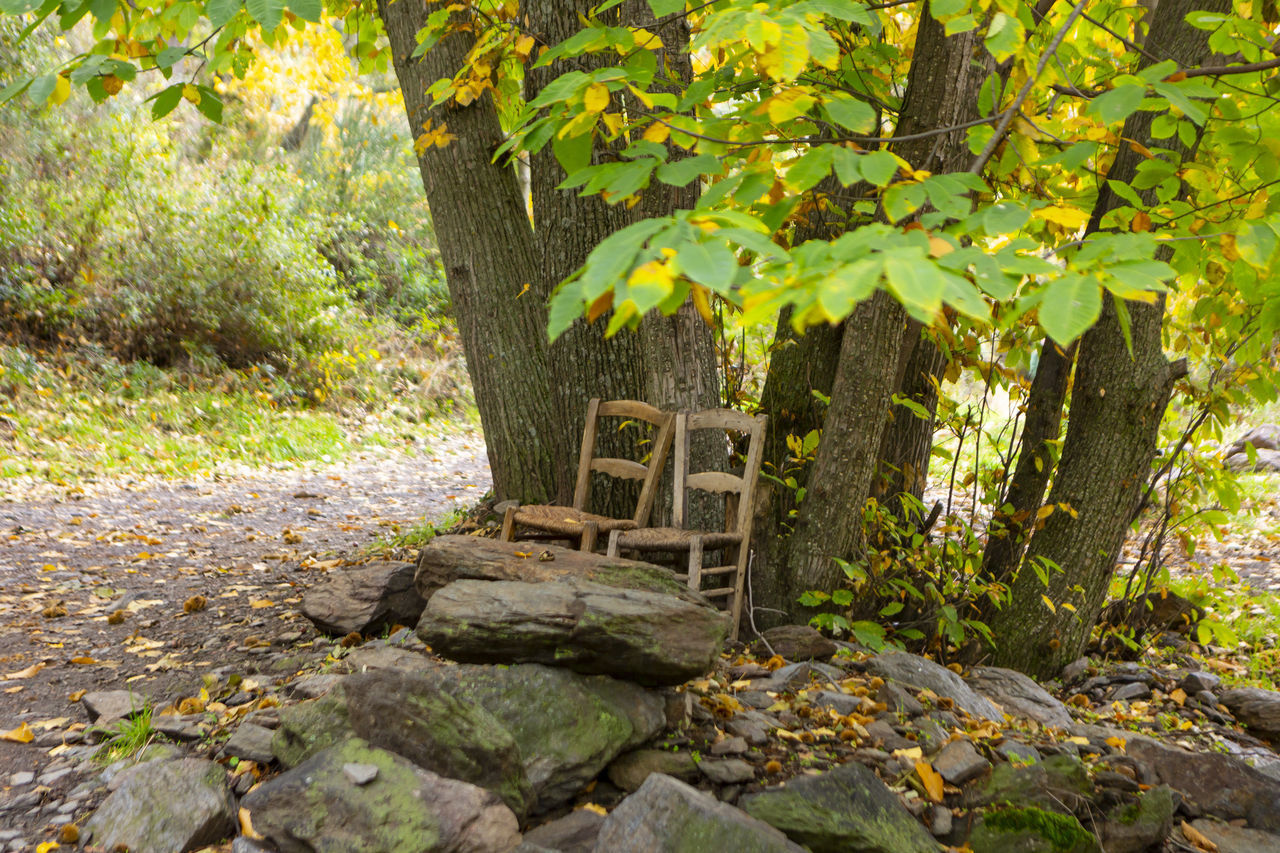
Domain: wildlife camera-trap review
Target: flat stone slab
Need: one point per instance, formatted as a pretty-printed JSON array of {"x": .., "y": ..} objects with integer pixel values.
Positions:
[
  {"x": 170, "y": 806},
  {"x": 104, "y": 707},
  {"x": 647, "y": 637},
  {"x": 919, "y": 673},
  {"x": 364, "y": 598}
]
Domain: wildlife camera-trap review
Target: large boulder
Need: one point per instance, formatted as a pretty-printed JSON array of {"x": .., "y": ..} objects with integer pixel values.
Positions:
[
  {"x": 1058, "y": 783},
  {"x": 794, "y": 643},
  {"x": 364, "y": 598},
  {"x": 446, "y": 559},
  {"x": 354, "y": 798},
  {"x": 648, "y": 637},
  {"x": 1236, "y": 839},
  {"x": 1219, "y": 785},
  {"x": 846, "y": 810},
  {"x": 309, "y": 727},
  {"x": 668, "y": 816},
  {"x": 172, "y": 807},
  {"x": 1018, "y": 695},
  {"x": 1258, "y": 709},
  {"x": 407, "y": 713},
  {"x": 923, "y": 674},
  {"x": 568, "y": 727}
]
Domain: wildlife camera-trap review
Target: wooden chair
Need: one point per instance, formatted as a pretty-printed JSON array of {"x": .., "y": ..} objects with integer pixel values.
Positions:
[
  {"x": 574, "y": 522},
  {"x": 738, "y": 491}
]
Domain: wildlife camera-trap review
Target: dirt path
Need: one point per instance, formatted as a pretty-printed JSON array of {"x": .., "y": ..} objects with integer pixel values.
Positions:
[{"x": 248, "y": 543}]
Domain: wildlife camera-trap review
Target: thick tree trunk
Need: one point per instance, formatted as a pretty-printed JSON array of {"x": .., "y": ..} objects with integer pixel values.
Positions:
[
  {"x": 487, "y": 247},
  {"x": 567, "y": 226},
  {"x": 1116, "y": 406},
  {"x": 908, "y": 438},
  {"x": 946, "y": 73}
]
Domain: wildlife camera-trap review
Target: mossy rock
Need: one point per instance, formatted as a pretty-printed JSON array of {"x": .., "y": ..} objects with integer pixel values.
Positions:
[
  {"x": 308, "y": 727},
  {"x": 1031, "y": 830},
  {"x": 1058, "y": 783}
]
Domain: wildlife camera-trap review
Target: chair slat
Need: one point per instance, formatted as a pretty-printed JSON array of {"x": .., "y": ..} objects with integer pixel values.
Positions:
[
  {"x": 713, "y": 481},
  {"x": 624, "y": 468},
  {"x": 633, "y": 409}
]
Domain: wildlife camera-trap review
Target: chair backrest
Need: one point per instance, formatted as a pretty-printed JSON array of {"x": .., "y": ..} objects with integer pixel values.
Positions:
[
  {"x": 627, "y": 469},
  {"x": 738, "y": 490}
]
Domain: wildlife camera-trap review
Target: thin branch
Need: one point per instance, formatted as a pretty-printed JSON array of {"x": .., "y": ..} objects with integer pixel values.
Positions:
[
  {"x": 1224, "y": 70},
  {"x": 1012, "y": 110}
]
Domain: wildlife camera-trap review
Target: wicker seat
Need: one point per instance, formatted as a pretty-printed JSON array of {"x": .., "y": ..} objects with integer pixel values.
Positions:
[
  {"x": 738, "y": 492},
  {"x": 574, "y": 522}
]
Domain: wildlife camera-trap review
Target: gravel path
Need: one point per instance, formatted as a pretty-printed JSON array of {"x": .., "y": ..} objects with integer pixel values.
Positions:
[{"x": 200, "y": 579}]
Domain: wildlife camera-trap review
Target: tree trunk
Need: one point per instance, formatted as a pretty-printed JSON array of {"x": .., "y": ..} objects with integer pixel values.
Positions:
[
  {"x": 946, "y": 73},
  {"x": 487, "y": 248},
  {"x": 567, "y": 226},
  {"x": 1116, "y": 406},
  {"x": 1007, "y": 533}
]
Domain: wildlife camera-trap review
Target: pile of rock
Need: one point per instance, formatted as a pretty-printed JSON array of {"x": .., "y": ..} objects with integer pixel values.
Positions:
[{"x": 564, "y": 698}]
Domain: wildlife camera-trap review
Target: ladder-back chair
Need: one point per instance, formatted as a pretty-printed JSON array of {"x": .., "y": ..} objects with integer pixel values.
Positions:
[
  {"x": 574, "y": 522},
  {"x": 738, "y": 491}
]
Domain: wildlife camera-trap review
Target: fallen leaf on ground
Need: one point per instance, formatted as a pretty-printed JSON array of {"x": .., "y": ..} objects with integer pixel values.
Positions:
[
  {"x": 195, "y": 604},
  {"x": 115, "y": 618},
  {"x": 22, "y": 734},
  {"x": 932, "y": 780},
  {"x": 1198, "y": 838},
  {"x": 24, "y": 673},
  {"x": 83, "y": 660},
  {"x": 54, "y": 611},
  {"x": 77, "y": 696},
  {"x": 261, "y": 603}
]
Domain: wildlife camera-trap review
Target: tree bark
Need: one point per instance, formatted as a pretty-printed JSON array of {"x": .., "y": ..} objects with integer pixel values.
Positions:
[
  {"x": 487, "y": 247},
  {"x": 1007, "y": 533},
  {"x": 1117, "y": 404},
  {"x": 946, "y": 73}
]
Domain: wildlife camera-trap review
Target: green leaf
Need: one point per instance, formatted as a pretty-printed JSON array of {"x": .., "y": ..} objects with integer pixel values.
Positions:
[
  {"x": 573, "y": 152},
  {"x": 219, "y": 12},
  {"x": 847, "y": 164},
  {"x": 917, "y": 283},
  {"x": 879, "y": 167},
  {"x": 962, "y": 24},
  {"x": 1117, "y": 104},
  {"x": 1069, "y": 306},
  {"x": 1004, "y": 36},
  {"x": 847, "y": 286},
  {"x": 268, "y": 13},
  {"x": 679, "y": 173},
  {"x": 41, "y": 88},
  {"x": 902, "y": 200},
  {"x": 307, "y": 10},
  {"x": 18, "y": 7},
  {"x": 17, "y": 87},
  {"x": 210, "y": 105},
  {"x": 1004, "y": 218},
  {"x": 712, "y": 265},
  {"x": 809, "y": 169},
  {"x": 170, "y": 56},
  {"x": 166, "y": 101},
  {"x": 662, "y": 8},
  {"x": 851, "y": 114}
]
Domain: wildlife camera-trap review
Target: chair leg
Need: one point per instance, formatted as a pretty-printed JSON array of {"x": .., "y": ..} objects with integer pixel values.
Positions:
[
  {"x": 739, "y": 581},
  {"x": 590, "y": 531},
  {"x": 695, "y": 563},
  {"x": 614, "y": 536},
  {"x": 508, "y": 524}
]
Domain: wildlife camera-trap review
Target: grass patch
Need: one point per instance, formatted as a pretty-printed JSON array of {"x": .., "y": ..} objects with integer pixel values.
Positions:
[
  {"x": 127, "y": 737},
  {"x": 66, "y": 419}
]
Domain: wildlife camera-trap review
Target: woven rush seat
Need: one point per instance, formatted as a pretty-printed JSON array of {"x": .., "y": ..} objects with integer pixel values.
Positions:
[
  {"x": 674, "y": 539},
  {"x": 567, "y": 520}
]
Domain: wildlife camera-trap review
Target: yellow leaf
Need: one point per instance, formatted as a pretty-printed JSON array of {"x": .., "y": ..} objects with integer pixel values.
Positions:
[
  {"x": 191, "y": 93},
  {"x": 1048, "y": 603},
  {"x": 524, "y": 45},
  {"x": 261, "y": 603},
  {"x": 1179, "y": 695},
  {"x": 1067, "y": 217},
  {"x": 593, "y": 807},
  {"x": 47, "y": 846},
  {"x": 1198, "y": 838},
  {"x": 914, "y": 753},
  {"x": 939, "y": 247},
  {"x": 932, "y": 780},
  {"x": 701, "y": 303},
  {"x": 1045, "y": 511},
  {"x": 1116, "y": 742},
  {"x": 22, "y": 734},
  {"x": 596, "y": 98},
  {"x": 657, "y": 132},
  {"x": 83, "y": 660},
  {"x": 61, "y": 90},
  {"x": 24, "y": 673}
]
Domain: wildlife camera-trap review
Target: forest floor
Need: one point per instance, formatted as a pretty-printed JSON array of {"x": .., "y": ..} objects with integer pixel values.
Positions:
[
  {"x": 166, "y": 587},
  {"x": 152, "y": 585}
]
